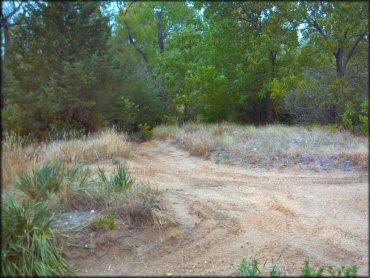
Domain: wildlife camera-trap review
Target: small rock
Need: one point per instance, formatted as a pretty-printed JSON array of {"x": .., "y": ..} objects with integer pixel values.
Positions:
[
  {"x": 92, "y": 211},
  {"x": 169, "y": 274}
]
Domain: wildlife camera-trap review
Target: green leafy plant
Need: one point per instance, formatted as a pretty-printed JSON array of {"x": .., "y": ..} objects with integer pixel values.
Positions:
[
  {"x": 108, "y": 221},
  {"x": 40, "y": 182},
  {"x": 145, "y": 131},
  {"x": 52, "y": 177},
  {"x": 356, "y": 118},
  {"x": 249, "y": 269},
  {"x": 119, "y": 181},
  {"x": 29, "y": 246},
  {"x": 253, "y": 269},
  {"x": 309, "y": 271},
  {"x": 343, "y": 271}
]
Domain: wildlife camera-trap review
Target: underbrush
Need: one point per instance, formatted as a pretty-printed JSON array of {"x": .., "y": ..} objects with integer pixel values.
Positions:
[
  {"x": 254, "y": 269},
  {"x": 19, "y": 153},
  {"x": 29, "y": 244},
  {"x": 274, "y": 145},
  {"x": 43, "y": 182},
  {"x": 106, "y": 144}
]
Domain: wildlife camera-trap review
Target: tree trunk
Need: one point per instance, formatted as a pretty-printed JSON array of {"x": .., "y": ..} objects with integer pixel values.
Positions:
[
  {"x": 341, "y": 69},
  {"x": 6, "y": 44},
  {"x": 161, "y": 45},
  {"x": 270, "y": 106},
  {"x": 269, "y": 109}
]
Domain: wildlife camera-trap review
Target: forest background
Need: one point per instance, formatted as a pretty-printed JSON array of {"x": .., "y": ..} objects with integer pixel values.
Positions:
[{"x": 88, "y": 65}]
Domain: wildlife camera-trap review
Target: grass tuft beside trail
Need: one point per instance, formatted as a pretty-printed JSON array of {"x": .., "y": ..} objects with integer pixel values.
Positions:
[
  {"x": 41, "y": 181},
  {"x": 271, "y": 146}
]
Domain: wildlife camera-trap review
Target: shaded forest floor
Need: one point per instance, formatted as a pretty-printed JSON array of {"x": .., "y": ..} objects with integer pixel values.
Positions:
[{"x": 226, "y": 212}]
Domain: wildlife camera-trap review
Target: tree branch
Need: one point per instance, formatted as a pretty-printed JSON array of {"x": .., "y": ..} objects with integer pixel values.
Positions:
[
  {"x": 15, "y": 10},
  {"x": 139, "y": 50},
  {"x": 352, "y": 51}
]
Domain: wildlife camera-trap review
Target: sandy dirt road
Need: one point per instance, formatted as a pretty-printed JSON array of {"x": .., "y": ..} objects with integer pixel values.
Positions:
[{"x": 225, "y": 213}]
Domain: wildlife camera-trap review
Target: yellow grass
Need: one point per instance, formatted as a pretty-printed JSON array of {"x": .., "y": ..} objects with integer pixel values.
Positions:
[
  {"x": 19, "y": 155},
  {"x": 103, "y": 145},
  {"x": 267, "y": 145}
]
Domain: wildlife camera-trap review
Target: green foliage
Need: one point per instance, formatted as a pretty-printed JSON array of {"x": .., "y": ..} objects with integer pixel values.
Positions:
[
  {"x": 108, "y": 221},
  {"x": 58, "y": 69},
  {"x": 49, "y": 178},
  {"x": 309, "y": 271},
  {"x": 249, "y": 269},
  {"x": 343, "y": 271},
  {"x": 145, "y": 131},
  {"x": 29, "y": 246},
  {"x": 356, "y": 119},
  {"x": 40, "y": 182},
  {"x": 173, "y": 62},
  {"x": 252, "y": 269},
  {"x": 119, "y": 181}
]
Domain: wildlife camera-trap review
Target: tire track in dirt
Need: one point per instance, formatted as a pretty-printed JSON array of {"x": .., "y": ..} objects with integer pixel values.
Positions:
[{"x": 228, "y": 212}]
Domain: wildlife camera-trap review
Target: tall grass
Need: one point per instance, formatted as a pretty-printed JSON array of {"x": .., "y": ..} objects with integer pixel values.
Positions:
[
  {"x": 268, "y": 145},
  {"x": 20, "y": 153},
  {"x": 105, "y": 144},
  {"x": 29, "y": 246}
]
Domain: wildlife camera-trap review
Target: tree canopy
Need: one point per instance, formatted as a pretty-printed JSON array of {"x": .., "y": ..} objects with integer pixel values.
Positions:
[{"x": 85, "y": 65}]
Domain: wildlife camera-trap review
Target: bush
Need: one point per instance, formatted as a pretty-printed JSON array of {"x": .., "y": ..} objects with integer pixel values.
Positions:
[
  {"x": 40, "y": 182},
  {"x": 51, "y": 177},
  {"x": 29, "y": 246},
  {"x": 108, "y": 221},
  {"x": 71, "y": 186},
  {"x": 120, "y": 181},
  {"x": 356, "y": 119},
  {"x": 145, "y": 131}
]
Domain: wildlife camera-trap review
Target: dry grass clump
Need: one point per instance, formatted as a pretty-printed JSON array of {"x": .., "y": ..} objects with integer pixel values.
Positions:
[
  {"x": 142, "y": 203},
  {"x": 18, "y": 154},
  {"x": 21, "y": 154},
  {"x": 272, "y": 145},
  {"x": 358, "y": 156},
  {"x": 165, "y": 131},
  {"x": 53, "y": 176},
  {"x": 102, "y": 145},
  {"x": 197, "y": 142}
]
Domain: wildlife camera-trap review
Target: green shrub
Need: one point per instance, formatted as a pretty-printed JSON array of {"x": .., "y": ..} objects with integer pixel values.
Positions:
[
  {"x": 52, "y": 177},
  {"x": 119, "y": 181},
  {"x": 145, "y": 131},
  {"x": 40, "y": 182},
  {"x": 108, "y": 221},
  {"x": 249, "y": 269},
  {"x": 29, "y": 246},
  {"x": 73, "y": 186},
  {"x": 309, "y": 271},
  {"x": 343, "y": 271},
  {"x": 356, "y": 118}
]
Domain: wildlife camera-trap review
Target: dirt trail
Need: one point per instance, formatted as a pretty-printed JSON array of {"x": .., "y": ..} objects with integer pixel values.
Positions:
[{"x": 228, "y": 212}]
